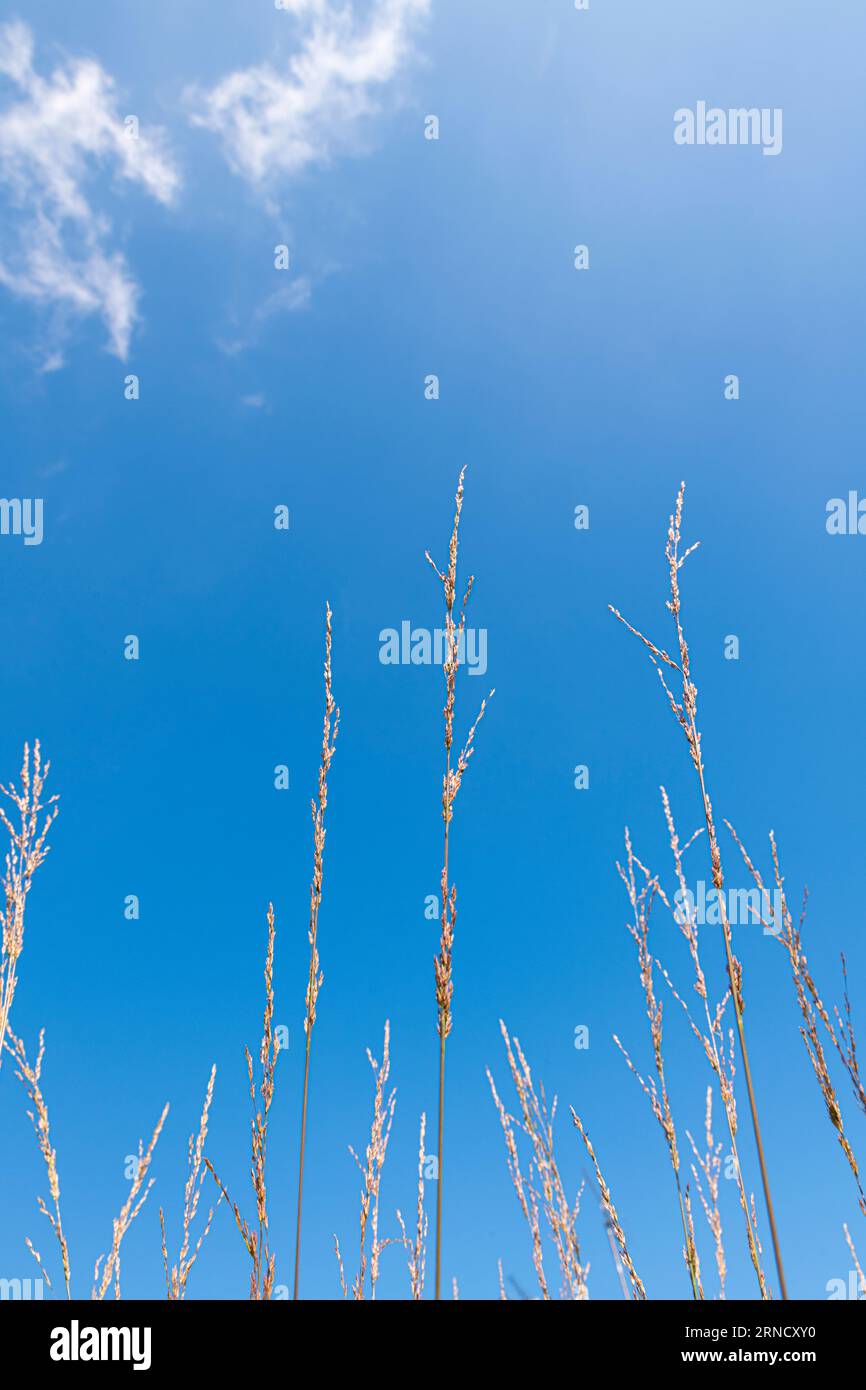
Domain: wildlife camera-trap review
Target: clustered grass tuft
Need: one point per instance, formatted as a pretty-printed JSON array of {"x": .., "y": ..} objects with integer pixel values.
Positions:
[{"x": 716, "y": 1022}]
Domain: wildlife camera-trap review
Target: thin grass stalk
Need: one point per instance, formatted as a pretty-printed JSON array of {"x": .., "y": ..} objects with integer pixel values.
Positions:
[
  {"x": 690, "y": 1253},
  {"x": 340, "y": 1266},
  {"x": 416, "y": 1250},
  {"x": 330, "y": 729},
  {"x": 641, "y": 904},
  {"x": 439, "y": 1159},
  {"x": 861, "y": 1279},
  {"x": 847, "y": 1048},
  {"x": 638, "y": 1290},
  {"x": 784, "y": 928},
  {"x": 371, "y": 1172},
  {"x": 713, "y": 1042},
  {"x": 128, "y": 1212},
  {"x": 686, "y": 715},
  {"x": 256, "y": 1238},
  {"x": 27, "y": 850},
  {"x": 528, "y": 1206},
  {"x": 452, "y": 777},
  {"x": 30, "y": 1077},
  {"x": 614, "y": 1250},
  {"x": 711, "y": 1166},
  {"x": 176, "y": 1277},
  {"x": 537, "y": 1123}
]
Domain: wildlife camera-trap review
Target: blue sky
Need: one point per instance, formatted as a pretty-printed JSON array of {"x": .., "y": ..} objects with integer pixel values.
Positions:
[{"x": 305, "y": 388}]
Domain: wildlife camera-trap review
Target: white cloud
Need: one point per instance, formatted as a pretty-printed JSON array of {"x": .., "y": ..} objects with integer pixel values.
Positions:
[
  {"x": 276, "y": 121},
  {"x": 286, "y": 300},
  {"x": 291, "y": 298},
  {"x": 55, "y": 132}
]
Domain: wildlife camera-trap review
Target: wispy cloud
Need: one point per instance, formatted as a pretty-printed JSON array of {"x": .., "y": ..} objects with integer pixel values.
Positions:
[
  {"x": 288, "y": 299},
  {"x": 276, "y": 121},
  {"x": 55, "y": 133}
]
